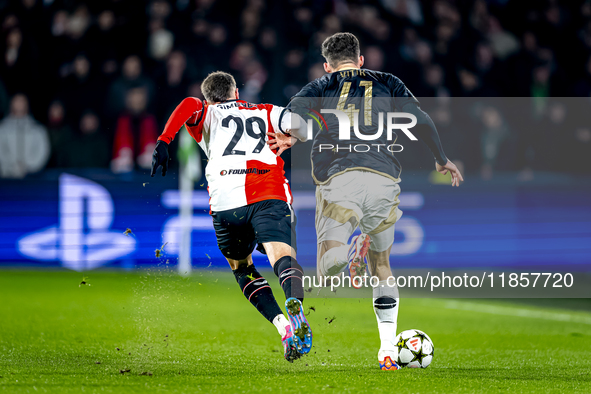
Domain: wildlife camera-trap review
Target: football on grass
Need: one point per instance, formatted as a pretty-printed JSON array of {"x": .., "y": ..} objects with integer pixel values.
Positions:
[{"x": 415, "y": 349}]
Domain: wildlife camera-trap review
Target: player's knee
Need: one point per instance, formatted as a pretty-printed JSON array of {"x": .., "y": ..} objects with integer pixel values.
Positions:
[
  {"x": 237, "y": 264},
  {"x": 276, "y": 250}
]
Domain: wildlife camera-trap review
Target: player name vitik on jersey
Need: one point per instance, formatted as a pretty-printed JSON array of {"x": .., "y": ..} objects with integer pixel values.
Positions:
[
  {"x": 362, "y": 95},
  {"x": 241, "y": 169}
]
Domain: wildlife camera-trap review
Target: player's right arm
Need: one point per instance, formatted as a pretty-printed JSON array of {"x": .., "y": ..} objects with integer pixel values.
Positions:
[
  {"x": 190, "y": 112},
  {"x": 456, "y": 176},
  {"x": 425, "y": 129}
]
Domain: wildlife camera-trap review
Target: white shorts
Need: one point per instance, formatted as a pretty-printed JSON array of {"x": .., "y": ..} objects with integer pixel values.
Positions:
[{"x": 358, "y": 198}]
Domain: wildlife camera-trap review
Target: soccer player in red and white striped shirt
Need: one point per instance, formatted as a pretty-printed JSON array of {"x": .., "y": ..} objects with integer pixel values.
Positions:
[{"x": 250, "y": 197}]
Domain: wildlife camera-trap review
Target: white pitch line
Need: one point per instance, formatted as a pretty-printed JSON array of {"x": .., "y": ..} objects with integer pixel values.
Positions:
[{"x": 518, "y": 312}]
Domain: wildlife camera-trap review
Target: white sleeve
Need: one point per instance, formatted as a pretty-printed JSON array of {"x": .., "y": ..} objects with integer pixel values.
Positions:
[
  {"x": 295, "y": 125},
  {"x": 275, "y": 117}
]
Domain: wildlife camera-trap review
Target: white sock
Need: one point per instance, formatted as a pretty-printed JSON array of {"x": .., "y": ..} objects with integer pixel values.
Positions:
[
  {"x": 334, "y": 260},
  {"x": 386, "y": 310},
  {"x": 280, "y": 321}
]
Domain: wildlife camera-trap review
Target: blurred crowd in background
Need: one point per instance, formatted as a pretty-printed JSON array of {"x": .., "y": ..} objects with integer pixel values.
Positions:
[{"x": 91, "y": 83}]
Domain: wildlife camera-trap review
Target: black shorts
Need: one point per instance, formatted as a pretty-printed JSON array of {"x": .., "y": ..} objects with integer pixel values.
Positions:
[{"x": 239, "y": 230}]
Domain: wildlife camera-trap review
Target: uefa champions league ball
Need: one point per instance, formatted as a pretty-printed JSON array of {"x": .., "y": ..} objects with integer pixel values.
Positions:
[{"x": 415, "y": 349}]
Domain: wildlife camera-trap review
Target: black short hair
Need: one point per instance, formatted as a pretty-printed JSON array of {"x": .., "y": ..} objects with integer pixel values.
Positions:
[
  {"x": 218, "y": 87},
  {"x": 340, "y": 48}
]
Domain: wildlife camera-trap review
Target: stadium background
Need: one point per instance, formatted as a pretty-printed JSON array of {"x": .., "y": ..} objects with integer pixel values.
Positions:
[{"x": 82, "y": 80}]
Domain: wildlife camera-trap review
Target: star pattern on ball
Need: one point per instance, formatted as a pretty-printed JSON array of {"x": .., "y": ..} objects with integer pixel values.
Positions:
[
  {"x": 418, "y": 355},
  {"x": 421, "y": 335}
]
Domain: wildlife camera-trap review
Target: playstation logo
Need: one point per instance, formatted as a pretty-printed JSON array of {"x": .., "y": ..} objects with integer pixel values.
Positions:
[{"x": 82, "y": 240}]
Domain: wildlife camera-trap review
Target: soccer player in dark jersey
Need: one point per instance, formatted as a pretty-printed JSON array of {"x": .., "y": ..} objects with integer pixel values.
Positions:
[{"x": 356, "y": 172}]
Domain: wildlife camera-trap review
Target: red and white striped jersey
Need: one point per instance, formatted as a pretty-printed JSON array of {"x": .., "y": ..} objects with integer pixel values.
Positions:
[{"x": 242, "y": 169}]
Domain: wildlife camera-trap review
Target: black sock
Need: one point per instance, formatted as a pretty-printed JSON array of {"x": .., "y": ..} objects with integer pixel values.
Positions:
[
  {"x": 256, "y": 290},
  {"x": 290, "y": 275}
]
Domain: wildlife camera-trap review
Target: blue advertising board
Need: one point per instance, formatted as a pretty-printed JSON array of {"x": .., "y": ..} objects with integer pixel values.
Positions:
[{"x": 80, "y": 222}]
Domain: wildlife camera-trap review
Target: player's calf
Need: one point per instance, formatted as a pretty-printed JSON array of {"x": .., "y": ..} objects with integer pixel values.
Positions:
[
  {"x": 290, "y": 275},
  {"x": 333, "y": 260},
  {"x": 357, "y": 252},
  {"x": 256, "y": 289},
  {"x": 385, "y": 304}
]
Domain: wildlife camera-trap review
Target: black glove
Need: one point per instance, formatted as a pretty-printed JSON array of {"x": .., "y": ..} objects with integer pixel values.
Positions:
[{"x": 160, "y": 158}]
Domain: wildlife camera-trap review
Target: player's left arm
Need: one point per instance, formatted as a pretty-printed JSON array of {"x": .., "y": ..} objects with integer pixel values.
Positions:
[
  {"x": 426, "y": 131},
  {"x": 286, "y": 129},
  {"x": 291, "y": 124},
  {"x": 190, "y": 113}
]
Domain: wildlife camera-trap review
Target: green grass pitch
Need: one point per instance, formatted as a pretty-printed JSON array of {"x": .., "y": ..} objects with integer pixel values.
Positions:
[{"x": 156, "y": 332}]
